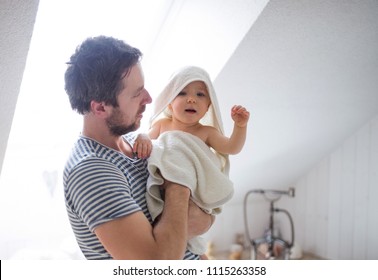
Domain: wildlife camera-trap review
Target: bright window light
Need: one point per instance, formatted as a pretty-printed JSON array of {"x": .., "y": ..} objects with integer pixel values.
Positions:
[{"x": 44, "y": 127}]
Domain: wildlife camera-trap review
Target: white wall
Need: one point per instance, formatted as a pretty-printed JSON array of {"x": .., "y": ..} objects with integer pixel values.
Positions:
[{"x": 335, "y": 210}]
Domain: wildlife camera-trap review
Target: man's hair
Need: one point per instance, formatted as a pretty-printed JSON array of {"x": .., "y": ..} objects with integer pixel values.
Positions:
[{"x": 96, "y": 69}]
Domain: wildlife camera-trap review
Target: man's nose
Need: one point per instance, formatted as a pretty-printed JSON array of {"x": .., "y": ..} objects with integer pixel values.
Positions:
[{"x": 148, "y": 98}]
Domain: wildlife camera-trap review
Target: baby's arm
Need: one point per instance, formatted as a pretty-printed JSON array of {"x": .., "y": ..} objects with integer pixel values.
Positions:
[
  {"x": 240, "y": 116},
  {"x": 235, "y": 143}
]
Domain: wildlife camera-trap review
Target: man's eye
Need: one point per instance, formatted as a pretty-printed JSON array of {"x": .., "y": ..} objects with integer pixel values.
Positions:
[{"x": 139, "y": 92}]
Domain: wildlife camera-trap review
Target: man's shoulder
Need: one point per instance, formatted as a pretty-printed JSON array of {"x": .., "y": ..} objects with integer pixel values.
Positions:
[{"x": 86, "y": 155}]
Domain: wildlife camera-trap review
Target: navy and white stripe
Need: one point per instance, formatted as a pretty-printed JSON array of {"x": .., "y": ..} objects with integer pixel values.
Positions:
[{"x": 101, "y": 184}]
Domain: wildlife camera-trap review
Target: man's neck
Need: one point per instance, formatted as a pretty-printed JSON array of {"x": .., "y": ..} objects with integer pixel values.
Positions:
[{"x": 101, "y": 134}]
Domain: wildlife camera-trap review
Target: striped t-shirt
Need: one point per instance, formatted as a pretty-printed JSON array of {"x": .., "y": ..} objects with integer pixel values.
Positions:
[{"x": 102, "y": 184}]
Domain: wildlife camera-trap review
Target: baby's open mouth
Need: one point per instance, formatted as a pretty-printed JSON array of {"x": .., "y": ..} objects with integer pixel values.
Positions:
[{"x": 190, "y": 110}]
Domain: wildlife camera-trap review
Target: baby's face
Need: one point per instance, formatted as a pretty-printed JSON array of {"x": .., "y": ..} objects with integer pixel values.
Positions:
[{"x": 192, "y": 102}]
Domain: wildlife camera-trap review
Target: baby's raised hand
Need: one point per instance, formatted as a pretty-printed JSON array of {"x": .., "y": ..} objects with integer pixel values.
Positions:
[
  {"x": 142, "y": 146},
  {"x": 240, "y": 115}
]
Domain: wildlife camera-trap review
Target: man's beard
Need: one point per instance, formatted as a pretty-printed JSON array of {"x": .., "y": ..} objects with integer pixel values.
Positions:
[{"x": 115, "y": 125}]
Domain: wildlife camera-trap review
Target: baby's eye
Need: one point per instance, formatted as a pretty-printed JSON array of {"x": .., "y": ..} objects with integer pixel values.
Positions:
[
  {"x": 201, "y": 94},
  {"x": 182, "y": 93}
]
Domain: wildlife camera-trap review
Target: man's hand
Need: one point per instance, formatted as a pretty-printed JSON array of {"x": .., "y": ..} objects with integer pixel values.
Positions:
[
  {"x": 142, "y": 146},
  {"x": 199, "y": 222}
]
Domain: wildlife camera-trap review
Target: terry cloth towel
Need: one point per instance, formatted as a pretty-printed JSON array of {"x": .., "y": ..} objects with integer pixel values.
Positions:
[
  {"x": 183, "y": 158},
  {"x": 178, "y": 81}
]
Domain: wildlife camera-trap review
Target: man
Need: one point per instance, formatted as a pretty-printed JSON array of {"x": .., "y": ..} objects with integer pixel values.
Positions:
[{"x": 104, "y": 182}]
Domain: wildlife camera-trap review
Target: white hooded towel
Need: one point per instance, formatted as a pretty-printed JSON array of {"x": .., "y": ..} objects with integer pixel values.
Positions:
[{"x": 185, "y": 159}]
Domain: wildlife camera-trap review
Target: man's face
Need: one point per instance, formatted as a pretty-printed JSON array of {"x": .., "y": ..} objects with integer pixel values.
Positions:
[{"x": 132, "y": 102}]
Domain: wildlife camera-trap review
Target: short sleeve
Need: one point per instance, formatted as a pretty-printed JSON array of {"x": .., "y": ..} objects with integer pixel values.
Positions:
[{"x": 98, "y": 192}]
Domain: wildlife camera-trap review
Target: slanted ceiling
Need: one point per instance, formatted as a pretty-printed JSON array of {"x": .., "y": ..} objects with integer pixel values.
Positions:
[
  {"x": 17, "y": 19},
  {"x": 308, "y": 71}
]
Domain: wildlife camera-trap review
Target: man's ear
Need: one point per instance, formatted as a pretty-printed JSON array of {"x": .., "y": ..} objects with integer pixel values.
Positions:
[{"x": 98, "y": 108}]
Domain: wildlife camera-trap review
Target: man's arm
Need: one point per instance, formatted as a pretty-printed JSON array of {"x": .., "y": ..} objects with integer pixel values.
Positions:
[{"x": 133, "y": 237}]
